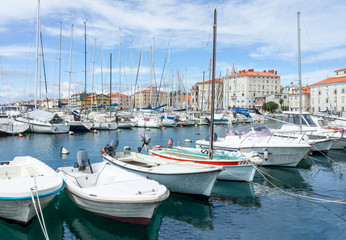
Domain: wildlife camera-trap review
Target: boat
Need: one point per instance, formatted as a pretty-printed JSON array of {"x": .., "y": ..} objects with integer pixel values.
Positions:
[
  {"x": 12, "y": 127},
  {"x": 274, "y": 150},
  {"x": 112, "y": 192},
  {"x": 41, "y": 121},
  {"x": 237, "y": 166},
  {"x": 179, "y": 177},
  {"x": 315, "y": 127},
  {"x": 24, "y": 182}
]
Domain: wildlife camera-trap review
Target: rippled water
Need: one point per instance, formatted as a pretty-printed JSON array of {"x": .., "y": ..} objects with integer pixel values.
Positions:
[{"x": 256, "y": 210}]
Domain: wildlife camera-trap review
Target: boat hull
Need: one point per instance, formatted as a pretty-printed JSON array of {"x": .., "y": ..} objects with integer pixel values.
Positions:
[
  {"x": 105, "y": 125},
  {"x": 137, "y": 213},
  {"x": 242, "y": 170},
  {"x": 77, "y": 126},
  {"x": 21, "y": 211},
  {"x": 193, "y": 183}
]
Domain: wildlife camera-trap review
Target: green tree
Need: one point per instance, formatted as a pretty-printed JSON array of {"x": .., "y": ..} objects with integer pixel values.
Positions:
[{"x": 270, "y": 106}]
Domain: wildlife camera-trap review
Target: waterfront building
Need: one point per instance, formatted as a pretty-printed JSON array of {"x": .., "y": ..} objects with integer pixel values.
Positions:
[
  {"x": 142, "y": 98},
  {"x": 77, "y": 97},
  {"x": 329, "y": 94},
  {"x": 241, "y": 89},
  {"x": 294, "y": 102},
  {"x": 202, "y": 96},
  {"x": 122, "y": 100}
]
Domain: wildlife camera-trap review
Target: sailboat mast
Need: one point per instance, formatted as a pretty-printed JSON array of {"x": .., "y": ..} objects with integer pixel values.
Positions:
[
  {"x": 92, "y": 76},
  {"x": 169, "y": 69},
  {"x": 202, "y": 91},
  {"x": 299, "y": 73},
  {"x": 85, "y": 69},
  {"x": 60, "y": 62},
  {"x": 110, "y": 81},
  {"x": 119, "y": 101},
  {"x": 69, "y": 83},
  {"x": 101, "y": 77},
  {"x": 37, "y": 47},
  {"x": 211, "y": 139}
]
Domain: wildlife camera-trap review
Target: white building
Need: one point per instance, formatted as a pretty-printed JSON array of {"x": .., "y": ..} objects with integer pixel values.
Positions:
[
  {"x": 243, "y": 87},
  {"x": 329, "y": 94},
  {"x": 294, "y": 100},
  {"x": 202, "y": 96}
]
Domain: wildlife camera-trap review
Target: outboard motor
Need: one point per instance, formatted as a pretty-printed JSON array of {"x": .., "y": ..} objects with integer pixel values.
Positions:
[
  {"x": 111, "y": 147},
  {"x": 170, "y": 143},
  {"x": 146, "y": 140},
  {"x": 82, "y": 159},
  {"x": 215, "y": 137}
]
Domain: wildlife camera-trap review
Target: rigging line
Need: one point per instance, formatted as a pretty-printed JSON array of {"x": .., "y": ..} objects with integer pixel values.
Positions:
[
  {"x": 283, "y": 40},
  {"x": 163, "y": 71},
  {"x": 44, "y": 70}
]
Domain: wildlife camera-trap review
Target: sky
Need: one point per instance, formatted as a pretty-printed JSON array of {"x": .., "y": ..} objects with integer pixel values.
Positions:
[{"x": 251, "y": 34}]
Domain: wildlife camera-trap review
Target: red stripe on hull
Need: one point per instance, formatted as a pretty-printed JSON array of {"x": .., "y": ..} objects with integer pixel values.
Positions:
[{"x": 216, "y": 162}]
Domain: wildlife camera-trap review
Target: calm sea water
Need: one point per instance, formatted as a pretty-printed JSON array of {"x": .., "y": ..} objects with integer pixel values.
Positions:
[{"x": 235, "y": 211}]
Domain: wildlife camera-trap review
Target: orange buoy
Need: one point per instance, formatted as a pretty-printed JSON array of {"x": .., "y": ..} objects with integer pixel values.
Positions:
[
  {"x": 95, "y": 131},
  {"x": 20, "y": 135},
  {"x": 102, "y": 150},
  {"x": 259, "y": 121},
  {"x": 181, "y": 126},
  {"x": 244, "y": 124}
]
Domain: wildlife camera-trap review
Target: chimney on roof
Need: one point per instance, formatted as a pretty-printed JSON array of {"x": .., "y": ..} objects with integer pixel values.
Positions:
[
  {"x": 276, "y": 72},
  {"x": 264, "y": 71},
  {"x": 251, "y": 70}
]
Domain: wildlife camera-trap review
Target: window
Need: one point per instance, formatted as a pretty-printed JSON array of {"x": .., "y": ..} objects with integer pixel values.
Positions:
[
  {"x": 242, "y": 94},
  {"x": 335, "y": 91},
  {"x": 326, "y": 100},
  {"x": 343, "y": 90},
  {"x": 319, "y": 92}
]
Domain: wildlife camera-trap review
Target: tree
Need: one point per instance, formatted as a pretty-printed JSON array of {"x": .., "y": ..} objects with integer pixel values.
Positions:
[
  {"x": 270, "y": 106},
  {"x": 281, "y": 101}
]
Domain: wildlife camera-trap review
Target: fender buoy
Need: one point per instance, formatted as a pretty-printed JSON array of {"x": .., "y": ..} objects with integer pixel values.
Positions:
[
  {"x": 20, "y": 135},
  {"x": 244, "y": 124},
  {"x": 95, "y": 131}
]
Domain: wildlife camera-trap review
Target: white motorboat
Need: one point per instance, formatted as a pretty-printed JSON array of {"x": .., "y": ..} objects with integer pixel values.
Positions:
[
  {"x": 274, "y": 150},
  {"x": 237, "y": 166},
  {"x": 9, "y": 126},
  {"x": 103, "y": 121},
  {"x": 112, "y": 192},
  {"x": 21, "y": 181},
  {"x": 41, "y": 121},
  {"x": 316, "y": 128},
  {"x": 147, "y": 119},
  {"x": 180, "y": 177}
]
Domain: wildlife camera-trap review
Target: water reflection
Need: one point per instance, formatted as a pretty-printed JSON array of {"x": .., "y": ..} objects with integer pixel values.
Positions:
[
  {"x": 82, "y": 224},
  {"x": 53, "y": 224},
  {"x": 235, "y": 193},
  {"x": 287, "y": 178},
  {"x": 185, "y": 209}
]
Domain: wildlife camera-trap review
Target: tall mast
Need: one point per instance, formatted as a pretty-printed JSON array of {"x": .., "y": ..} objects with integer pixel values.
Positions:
[
  {"x": 70, "y": 70},
  {"x": 101, "y": 77},
  {"x": 209, "y": 85},
  {"x": 110, "y": 81},
  {"x": 202, "y": 91},
  {"x": 151, "y": 72},
  {"x": 169, "y": 67},
  {"x": 299, "y": 73},
  {"x": 37, "y": 52},
  {"x": 119, "y": 102},
  {"x": 92, "y": 76},
  {"x": 60, "y": 62},
  {"x": 130, "y": 97},
  {"x": 211, "y": 139},
  {"x": 85, "y": 69},
  {"x": 186, "y": 94}
]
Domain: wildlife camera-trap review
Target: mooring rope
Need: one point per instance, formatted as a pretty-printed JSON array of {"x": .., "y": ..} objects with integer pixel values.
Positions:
[{"x": 38, "y": 210}]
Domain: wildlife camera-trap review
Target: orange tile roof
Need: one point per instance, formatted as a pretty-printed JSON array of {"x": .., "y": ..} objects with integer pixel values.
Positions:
[
  {"x": 116, "y": 95},
  {"x": 251, "y": 72},
  {"x": 330, "y": 80},
  {"x": 342, "y": 69},
  {"x": 217, "y": 80},
  {"x": 148, "y": 91},
  {"x": 305, "y": 90}
]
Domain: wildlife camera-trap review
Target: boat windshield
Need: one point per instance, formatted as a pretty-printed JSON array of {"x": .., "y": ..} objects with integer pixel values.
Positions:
[
  {"x": 309, "y": 120},
  {"x": 258, "y": 131}
]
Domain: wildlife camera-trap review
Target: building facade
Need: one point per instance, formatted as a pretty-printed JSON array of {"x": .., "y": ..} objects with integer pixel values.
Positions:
[
  {"x": 241, "y": 89},
  {"x": 142, "y": 98},
  {"x": 202, "y": 97},
  {"x": 294, "y": 100},
  {"x": 330, "y": 94}
]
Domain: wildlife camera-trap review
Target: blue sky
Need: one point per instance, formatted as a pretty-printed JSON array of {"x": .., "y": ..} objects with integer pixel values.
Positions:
[{"x": 253, "y": 34}]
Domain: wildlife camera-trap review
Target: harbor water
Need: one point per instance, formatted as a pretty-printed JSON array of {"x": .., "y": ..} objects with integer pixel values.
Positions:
[{"x": 274, "y": 206}]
